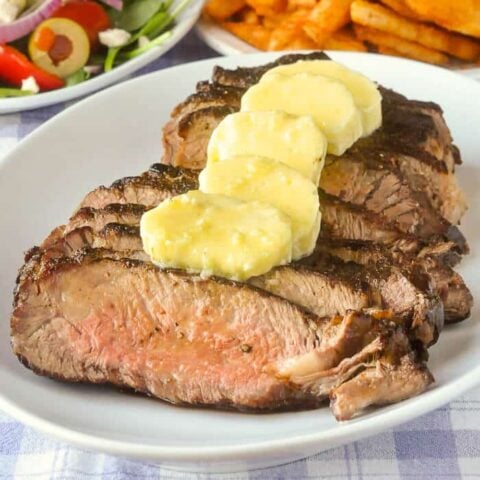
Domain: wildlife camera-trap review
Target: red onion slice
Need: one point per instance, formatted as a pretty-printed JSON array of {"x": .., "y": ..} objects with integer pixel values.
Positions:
[
  {"x": 26, "y": 23},
  {"x": 116, "y": 4}
]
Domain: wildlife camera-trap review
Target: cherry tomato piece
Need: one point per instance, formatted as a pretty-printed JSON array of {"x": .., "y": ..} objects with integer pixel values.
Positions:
[{"x": 90, "y": 15}]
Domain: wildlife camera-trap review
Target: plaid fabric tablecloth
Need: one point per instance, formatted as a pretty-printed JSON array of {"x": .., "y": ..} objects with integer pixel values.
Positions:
[{"x": 442, "y": 445}]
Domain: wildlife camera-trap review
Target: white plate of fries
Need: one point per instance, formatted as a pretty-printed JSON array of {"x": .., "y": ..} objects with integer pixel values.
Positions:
[{"x": 433, "y": 31}]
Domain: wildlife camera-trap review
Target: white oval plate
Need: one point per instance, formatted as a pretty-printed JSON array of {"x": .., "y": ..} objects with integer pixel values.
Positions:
[
  {"x": 185, "y": 22},
  {"x": 117, "y": 132},
  {"x": 224, "y": 42}
]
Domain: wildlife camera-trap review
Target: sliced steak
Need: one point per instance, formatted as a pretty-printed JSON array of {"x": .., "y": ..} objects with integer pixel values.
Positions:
[
  {"x": 245, "y": 77},
  {"x": 185, "y": 139},
  {"x": 407, "y": 292},
  {"x": 340, "y": 219},
  {"x": 380, "y": 383},
  {"x": 414, "y": 137},
  {"x": 73, "y": 321},
  {"x": 322, "y": 283},
  {"x": 449, "y": 285},
  {"x": 209, "y": 95},
  {"x": 150, "y": 188},
  {"x": 386, "y": 192}
]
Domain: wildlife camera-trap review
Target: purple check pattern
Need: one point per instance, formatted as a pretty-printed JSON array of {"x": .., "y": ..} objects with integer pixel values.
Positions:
[{"x": 442, "y": 445}]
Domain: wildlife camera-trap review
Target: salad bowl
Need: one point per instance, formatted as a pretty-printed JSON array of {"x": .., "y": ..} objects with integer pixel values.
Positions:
[{"x": 184, "y": 22}]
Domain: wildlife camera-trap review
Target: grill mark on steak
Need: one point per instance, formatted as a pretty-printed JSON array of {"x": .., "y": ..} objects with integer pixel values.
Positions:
[{"x": 72, "y": 321}]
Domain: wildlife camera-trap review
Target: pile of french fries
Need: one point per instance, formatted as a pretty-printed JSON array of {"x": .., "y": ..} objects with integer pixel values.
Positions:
[{"x": 442, "y": 32}]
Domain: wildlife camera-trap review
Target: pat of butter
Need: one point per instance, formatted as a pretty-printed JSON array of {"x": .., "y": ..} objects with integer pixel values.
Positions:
[
  {"x": 292, "y": 140},
  {"x": 255, "y": 178},
  {"x": 216, "y": 235},
  {"x": 365, "y": 93},
  {"x": 328, "y": 101}
]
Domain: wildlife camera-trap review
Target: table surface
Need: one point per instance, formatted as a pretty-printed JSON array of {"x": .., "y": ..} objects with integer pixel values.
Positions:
[{"x": 444, "y": 444}]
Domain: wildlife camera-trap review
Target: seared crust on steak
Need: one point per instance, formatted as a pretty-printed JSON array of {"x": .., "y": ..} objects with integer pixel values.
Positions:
[{"x": 449, "y": 285}]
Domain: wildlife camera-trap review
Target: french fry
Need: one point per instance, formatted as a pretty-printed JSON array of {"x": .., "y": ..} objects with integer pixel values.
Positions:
[
  {"x": 400, "y": 7},
  {"x": 301, "y": 42},
  {"x": 459, "y": 16},
  {"x": 345, "y": 40},
  {"x": 255, "y": 35},
  {"x": 391, "y": 51},
  {"x": 268, "y": 7},
  {"x": 405, "y": 47},
  {"x": 295, "y": 4},
  {"x": 221, "y": 9},
  {"x": 327, "y": 17},
  {"x": 375, "y": 16},
  {"x": 287, "y": 31},
  {"x": 273, "y": 21},
  {"x": 249, "y": 16}
]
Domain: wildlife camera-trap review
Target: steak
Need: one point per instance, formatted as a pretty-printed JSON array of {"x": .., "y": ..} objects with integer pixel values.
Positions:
[
  {"x": 340, "y": 219},
  {"x": 193, "y": 340},
  {"x": 449, "y": 285},
  {"x": 351, "y": 322},
  {"x": 353, "y": 223},
  {"x": 326, "y": 286},
  {"x": 414, "y": 139},
  {"x": 385, "y": 192}
]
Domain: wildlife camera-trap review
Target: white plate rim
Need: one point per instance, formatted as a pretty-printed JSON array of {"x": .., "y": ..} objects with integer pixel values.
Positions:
[
  {"x": 353, "y": 430},
  {"x": 186, "y": 22}
]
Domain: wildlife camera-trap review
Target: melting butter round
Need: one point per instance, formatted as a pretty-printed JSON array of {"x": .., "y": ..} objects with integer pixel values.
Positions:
[
  {"x": 365, "y": 93},
  {"x": 290, "y": 139},
  {"x": 327, "y": 100},
  {"x": 256, "y": 178},
  {"x": 217, "y": 235}
]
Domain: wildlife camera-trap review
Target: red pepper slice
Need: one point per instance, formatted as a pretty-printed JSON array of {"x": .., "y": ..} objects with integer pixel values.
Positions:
[{"x": 15, "y": 67}]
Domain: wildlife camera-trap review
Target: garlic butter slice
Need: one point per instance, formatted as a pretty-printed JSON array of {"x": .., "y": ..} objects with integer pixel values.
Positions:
[
  {"x": 248, "y": 178},
  {"x": 365, "y": 93},
  {"x": 327, "y": 100},
  {"x": 293, "y": 140},
  {"x": 216, "y": 235}
]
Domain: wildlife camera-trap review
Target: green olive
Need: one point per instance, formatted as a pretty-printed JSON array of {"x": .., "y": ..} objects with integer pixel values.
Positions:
[{"x": 59, "y": 46}]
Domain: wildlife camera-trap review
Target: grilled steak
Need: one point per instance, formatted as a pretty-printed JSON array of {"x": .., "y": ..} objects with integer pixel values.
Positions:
[
  {"x": 384, "y": 192},
  {"x": 350, "y": 322},
  {"x": 73, "y": 321},
  {"x": 138, "y": 189},
  {"x": 413, "y": 140},
  {"x": 353, "y": 222},
  {"x": 326, "y": 285},
  {"x": 340, "y": 219},
  {"x": 449, "y": 285}
]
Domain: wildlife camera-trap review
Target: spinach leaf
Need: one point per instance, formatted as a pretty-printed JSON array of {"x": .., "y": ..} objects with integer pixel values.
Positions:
[{"x": 135, "y": 14}]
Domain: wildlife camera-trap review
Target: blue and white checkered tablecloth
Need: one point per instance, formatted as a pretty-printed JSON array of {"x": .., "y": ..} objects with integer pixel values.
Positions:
[{"x": 442, "y": 445}]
